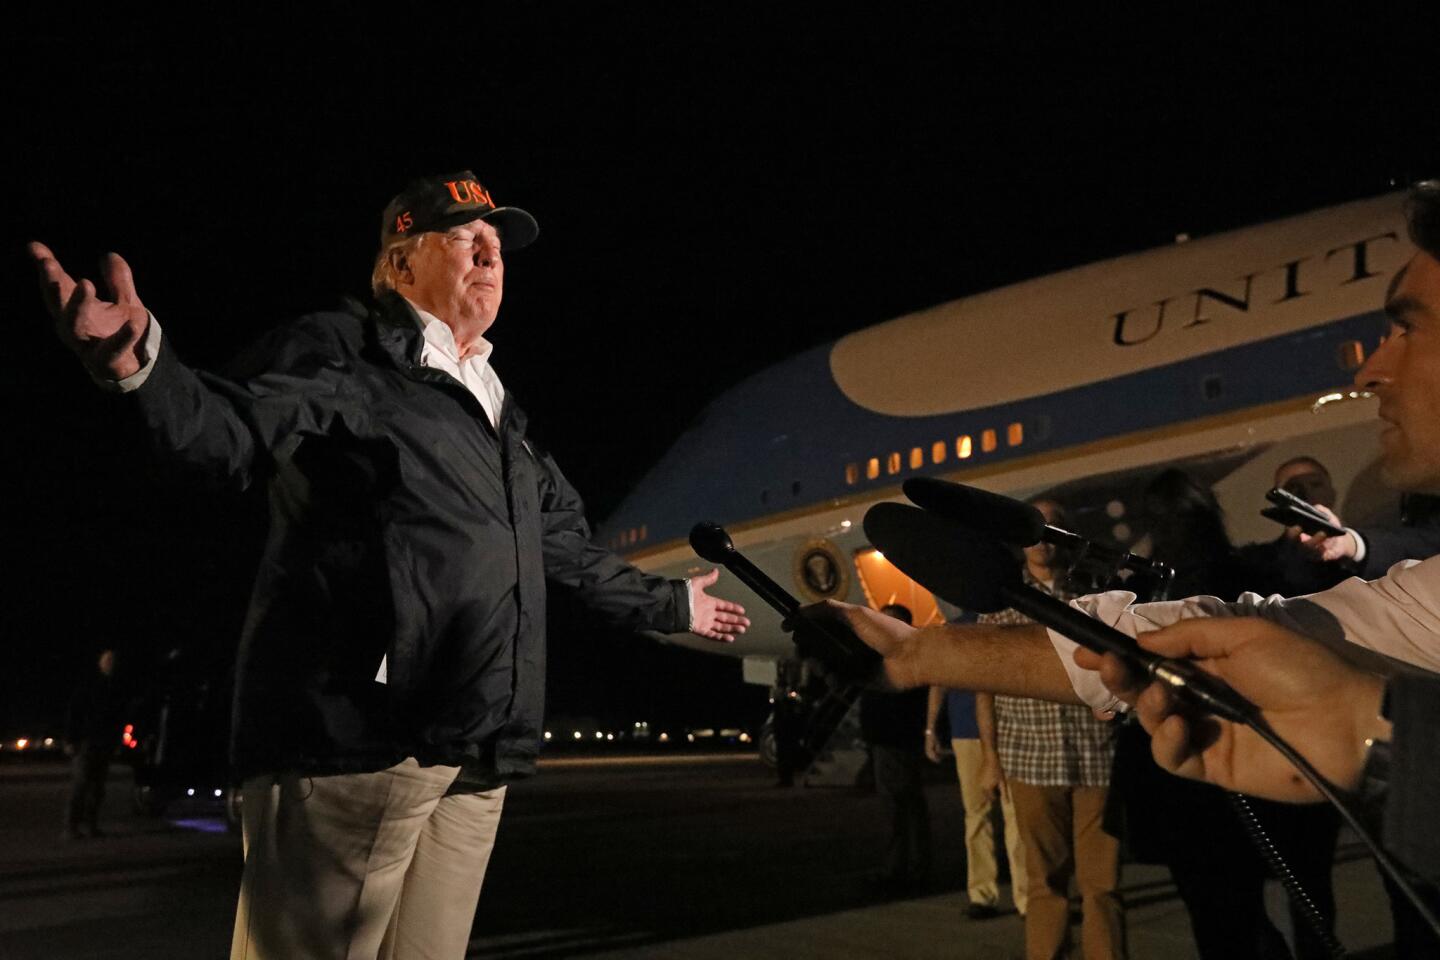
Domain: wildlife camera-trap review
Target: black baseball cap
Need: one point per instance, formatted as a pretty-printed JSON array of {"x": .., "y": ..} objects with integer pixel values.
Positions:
[{"x": 440, "y": 202}]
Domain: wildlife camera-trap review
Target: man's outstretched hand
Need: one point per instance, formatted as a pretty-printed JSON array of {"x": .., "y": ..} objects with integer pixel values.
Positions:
[
  {"x": 105, "y": 334},
  {"x": 715, "y": 619},
  {"x": 1321, "y": 705}
]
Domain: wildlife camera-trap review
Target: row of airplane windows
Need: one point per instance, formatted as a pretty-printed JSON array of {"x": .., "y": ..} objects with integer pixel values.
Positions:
[
  {"x": 965, "y": 447},
  {"x": 628, "y": 538}
]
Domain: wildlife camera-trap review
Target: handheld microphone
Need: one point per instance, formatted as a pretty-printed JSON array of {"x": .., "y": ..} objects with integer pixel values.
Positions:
[
  {"x": 836, "y": 647},
  {"x": 976, "y": 573},
  {"x": 1015, "y": 522}
]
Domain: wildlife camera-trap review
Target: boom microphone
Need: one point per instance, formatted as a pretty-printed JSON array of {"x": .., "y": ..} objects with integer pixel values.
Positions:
[
  {"x": 1015, "y": 522},
  {"x": 975, "y": 572},
  {"x": 835, "y": 646}
]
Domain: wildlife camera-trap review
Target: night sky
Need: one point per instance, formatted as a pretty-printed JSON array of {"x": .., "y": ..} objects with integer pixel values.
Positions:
[{"x": 717, "y": 189}]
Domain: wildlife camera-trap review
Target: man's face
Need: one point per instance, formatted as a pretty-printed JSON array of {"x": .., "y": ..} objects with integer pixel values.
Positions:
[
  {"x": 1405, "y": 374},
  {"x": 1307, "y": 483},
  {"x": 458, "y": 276}
]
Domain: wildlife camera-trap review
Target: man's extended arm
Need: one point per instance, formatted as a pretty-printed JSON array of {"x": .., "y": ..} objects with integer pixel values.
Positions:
[
  {"x": 1016, "y": 660},
  {"x": 613, "y": 588},
  {"x": 220, "y": 427}
]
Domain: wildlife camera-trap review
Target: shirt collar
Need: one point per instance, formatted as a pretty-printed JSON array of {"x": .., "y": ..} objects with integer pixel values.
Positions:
[{"x": 439, "y": 336}]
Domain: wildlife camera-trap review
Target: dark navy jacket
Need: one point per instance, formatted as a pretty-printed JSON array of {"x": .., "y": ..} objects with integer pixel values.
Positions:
[{"x": 402, "y": 526}]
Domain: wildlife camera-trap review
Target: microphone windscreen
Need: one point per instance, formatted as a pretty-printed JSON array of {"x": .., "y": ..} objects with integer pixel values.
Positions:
[
  {"x": 943, "y": 556},
  {"x": 1004, "y": 518},
  {"x": 712, "y": 543}
]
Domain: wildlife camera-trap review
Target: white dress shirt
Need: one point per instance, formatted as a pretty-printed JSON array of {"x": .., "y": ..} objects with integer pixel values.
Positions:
[{"x": 1396, "y": 617}]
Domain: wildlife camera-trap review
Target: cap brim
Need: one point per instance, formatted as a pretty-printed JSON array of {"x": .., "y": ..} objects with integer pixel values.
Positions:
[{"x": 516, "y": 227}]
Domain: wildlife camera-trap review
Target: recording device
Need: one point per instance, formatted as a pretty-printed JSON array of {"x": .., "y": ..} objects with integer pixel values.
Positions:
[
  {"x": 975, "y": 572},
  {"x": 833, "y": 645},
  {"x": 1020, "y": 524},
  {"x": 1291, "y": 511}
]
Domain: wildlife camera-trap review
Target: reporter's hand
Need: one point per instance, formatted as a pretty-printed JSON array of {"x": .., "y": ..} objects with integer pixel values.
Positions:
[
  {"x": 893, "y": 639},
  {"x": 1323, "y": 547},
  {"x": 104, "y": 334},
  {"x": 932, "y": 747},
  {"x": 1314, "y": 700}
]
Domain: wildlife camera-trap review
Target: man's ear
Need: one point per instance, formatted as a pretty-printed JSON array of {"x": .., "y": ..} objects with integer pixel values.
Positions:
[{"x": 401, "y": 266}]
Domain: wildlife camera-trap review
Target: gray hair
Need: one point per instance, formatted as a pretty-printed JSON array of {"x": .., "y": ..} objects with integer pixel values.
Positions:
[{"x": 386, "y": 274}]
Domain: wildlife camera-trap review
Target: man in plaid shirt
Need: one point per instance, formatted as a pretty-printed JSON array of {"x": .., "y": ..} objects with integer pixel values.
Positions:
[{"x": 1054, "y": 762}]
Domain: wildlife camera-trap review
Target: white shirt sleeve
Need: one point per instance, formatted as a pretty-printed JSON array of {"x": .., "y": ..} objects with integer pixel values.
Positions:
[
  {"x": 149, "y": 349},
  {"x": 1397, "y": 617}
]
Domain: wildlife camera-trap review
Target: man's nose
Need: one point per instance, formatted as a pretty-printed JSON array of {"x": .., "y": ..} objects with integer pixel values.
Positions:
[{"x": 1376, "y": 370}]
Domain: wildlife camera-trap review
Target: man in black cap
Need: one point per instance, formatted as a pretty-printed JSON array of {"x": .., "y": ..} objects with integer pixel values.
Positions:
[{"x": 390, "y": 678}]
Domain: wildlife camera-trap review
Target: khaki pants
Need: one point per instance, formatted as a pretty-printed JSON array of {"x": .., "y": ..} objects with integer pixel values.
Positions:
[
  {"x": 1060, "y": 827},
  {"x": 362, "y": 865},
  {"x": 981, "y": 865}
]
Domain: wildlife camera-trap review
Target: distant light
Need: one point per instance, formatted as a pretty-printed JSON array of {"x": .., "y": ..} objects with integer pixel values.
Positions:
[
  {"x": 49, "y": 741},
  {"x": 22, "y": 743},
  {"x": 664, "y": 738},
  {"x": 609, "y": 736},
  {"x": 1182, "y": 238},
  {"x": 190, "y": 791},
  {"x": 599, "y": 735},
  {"x": 577, "y": 734},
  {"x": 1121, "y": 532},
  {"x": 1115, "y": 509},
  {"x": 690, "y": 737},
  {"x": 744, "y": 738},
  {"x": 219, "y": 793},
  {"x": 548, "y": 735}
]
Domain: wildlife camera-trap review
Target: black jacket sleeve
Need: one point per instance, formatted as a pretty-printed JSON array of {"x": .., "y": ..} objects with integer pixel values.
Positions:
[
  {"x": 228, "y": 427},
  {"x": 607, "y": 585},
  {"x": 1387, "y": 546}
]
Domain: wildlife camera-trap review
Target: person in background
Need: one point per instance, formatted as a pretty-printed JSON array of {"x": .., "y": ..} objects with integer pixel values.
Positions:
[
  {"x": 1055, "y": 761},
  {"x": 981, "y": 864},
  {"x": 92, "y": 732},
  {"x": 891, "y": 724}
]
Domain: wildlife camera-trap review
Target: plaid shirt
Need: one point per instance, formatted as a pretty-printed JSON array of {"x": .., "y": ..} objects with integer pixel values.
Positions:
[{"x": 1049, "y": 744}]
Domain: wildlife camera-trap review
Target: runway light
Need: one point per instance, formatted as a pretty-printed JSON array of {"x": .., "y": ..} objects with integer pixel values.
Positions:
[
  {"x": 609, "y": 736},
  {"x": 577, "y": 734},
  {"x": 690, "y": 737},
  {"x": 744, "y": 738},
  {"x": 49, "y": 741},
  {"x": 664, "y": 738},
  {"x": 219, "y": 793},
  {"x": 549, "y": 735},
  {"x": 22, "y": 743},
  {"x": 599, "y": 735},
  {"x": 190, "y": 791}
]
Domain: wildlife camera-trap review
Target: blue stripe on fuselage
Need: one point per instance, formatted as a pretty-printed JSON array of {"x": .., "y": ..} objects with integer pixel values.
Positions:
[{"x": 781, "y": 440}]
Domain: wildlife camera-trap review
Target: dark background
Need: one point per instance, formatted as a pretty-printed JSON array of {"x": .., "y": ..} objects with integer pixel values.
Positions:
[{"x": 718, "y": 187}]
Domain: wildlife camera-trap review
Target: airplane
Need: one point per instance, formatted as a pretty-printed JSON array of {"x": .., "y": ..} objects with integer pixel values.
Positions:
[{"x": 1225, "y": 355}]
